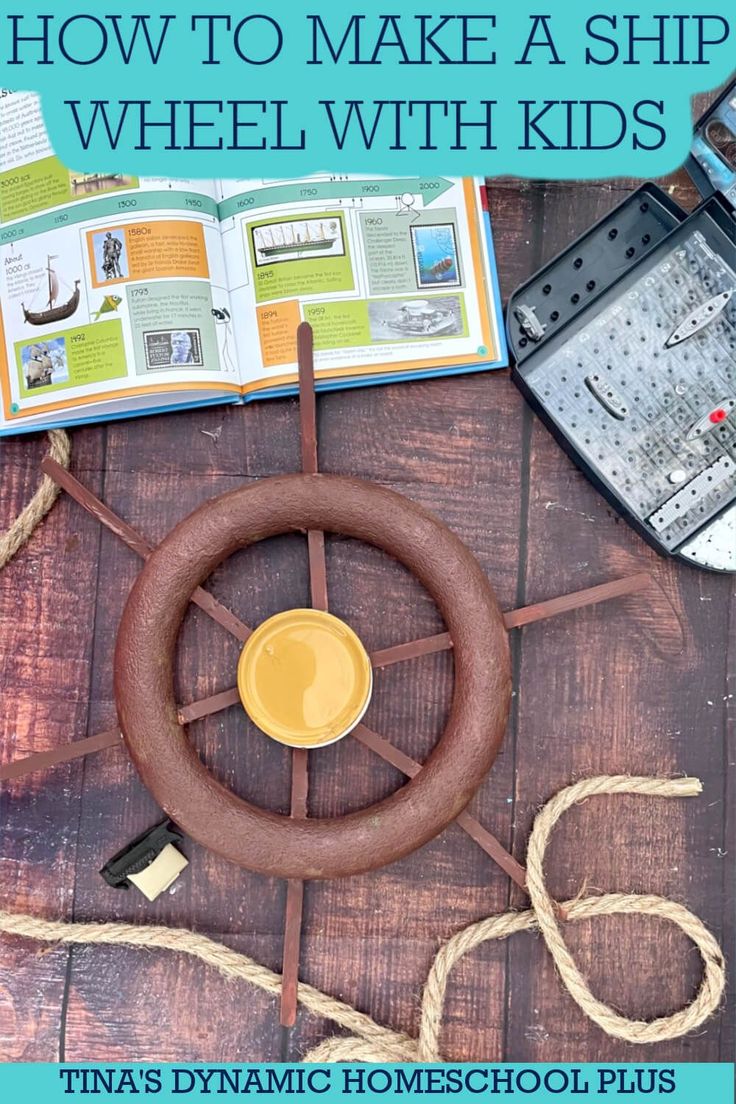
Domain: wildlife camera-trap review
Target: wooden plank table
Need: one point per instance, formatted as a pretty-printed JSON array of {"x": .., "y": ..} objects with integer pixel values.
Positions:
[{"x": 639, "y": 685}]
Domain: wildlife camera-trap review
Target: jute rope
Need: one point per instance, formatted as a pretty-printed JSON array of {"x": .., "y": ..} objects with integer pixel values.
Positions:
[
  {"x": 31, "y": 516},
  {"x": 369, "y": 1041}
]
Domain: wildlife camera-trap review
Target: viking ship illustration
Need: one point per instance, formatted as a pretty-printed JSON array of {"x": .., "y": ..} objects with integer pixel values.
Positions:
[{"x": 52, "y": 313}]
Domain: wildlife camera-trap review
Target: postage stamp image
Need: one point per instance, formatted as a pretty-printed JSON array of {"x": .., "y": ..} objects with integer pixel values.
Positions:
[
  {"x": 435, "y": 252},
  {"x": 173, "y": 349}
]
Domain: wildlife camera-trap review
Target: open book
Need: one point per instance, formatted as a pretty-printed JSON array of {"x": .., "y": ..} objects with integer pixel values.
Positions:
[{"x": 122, "y": 295}]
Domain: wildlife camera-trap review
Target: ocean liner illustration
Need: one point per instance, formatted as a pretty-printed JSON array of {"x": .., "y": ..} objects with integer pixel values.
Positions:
[{"x": 280, "y": 240}]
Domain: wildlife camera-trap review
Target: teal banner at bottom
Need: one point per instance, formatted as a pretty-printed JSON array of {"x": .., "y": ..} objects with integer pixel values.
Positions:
[{"x": 692, "y": 1083}]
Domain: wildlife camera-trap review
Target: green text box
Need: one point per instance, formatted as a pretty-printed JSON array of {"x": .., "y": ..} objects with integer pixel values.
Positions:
[
  {"x": 47, "y": 183},
  {"x": 389, "y": 249},
  {"x": 170, "y": 305},
  {"x": 308, "y": 274},
  {"x": 32, "y": 188},
  {"x": 85, "y": 355},
  {"x": 338, "y": 325}
]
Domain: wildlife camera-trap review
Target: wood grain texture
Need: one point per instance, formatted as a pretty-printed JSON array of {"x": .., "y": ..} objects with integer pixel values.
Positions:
[
  {"x": 645, "y": 684},
  {"x": 47, "y": 616}
]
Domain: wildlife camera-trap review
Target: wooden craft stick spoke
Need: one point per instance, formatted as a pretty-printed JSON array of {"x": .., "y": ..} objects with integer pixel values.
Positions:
[
  {"x": 515, "y": 619},
  {"x": 317, "y": 569},
  {"x": 488, "y": 843},
  {"x": 133, "y": 539},
  {"x": 96, "y": 508},
  {"x": 206, "y": 706},
  {"x": 294, "y": 898},
  {"x": 307, "y": 398},
  {"x": 427, "y": 645},
  {"x": 111, "y": 737},
  {"x": 403, "y": 762},
  {"x": 565, "y": 603},
  {"x": 299, "y": 756},
  {"x": 65, "y": 753}
]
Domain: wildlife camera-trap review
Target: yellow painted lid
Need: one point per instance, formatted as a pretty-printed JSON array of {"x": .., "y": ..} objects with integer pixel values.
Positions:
[{"x": 304, "y": 678}]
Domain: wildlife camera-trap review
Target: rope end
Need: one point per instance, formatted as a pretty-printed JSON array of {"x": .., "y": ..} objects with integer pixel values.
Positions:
[{"x": 688, "y": 787}]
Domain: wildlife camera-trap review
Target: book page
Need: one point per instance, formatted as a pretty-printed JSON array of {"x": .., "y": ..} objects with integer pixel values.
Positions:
[
  {"x": 111, "y": 286},
  {"x": 393, "y": 275}
]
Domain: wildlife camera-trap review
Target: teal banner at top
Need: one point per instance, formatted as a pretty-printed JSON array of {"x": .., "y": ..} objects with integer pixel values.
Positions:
[
  {"x": 248, "y": 90},
  {"x": 368, "y": 1084}
]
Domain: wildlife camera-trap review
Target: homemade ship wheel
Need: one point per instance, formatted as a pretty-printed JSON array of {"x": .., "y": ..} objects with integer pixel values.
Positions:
[{"x": 305, "y": 678}]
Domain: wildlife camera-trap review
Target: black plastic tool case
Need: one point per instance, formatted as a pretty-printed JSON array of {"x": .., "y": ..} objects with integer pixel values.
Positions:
[{"x": 653, "y": 426}]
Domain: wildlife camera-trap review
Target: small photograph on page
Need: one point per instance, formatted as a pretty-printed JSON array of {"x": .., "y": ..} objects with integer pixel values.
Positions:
[
  {"x": 83, "y": 184},
  {"x": 44, "y": 363},
  {"x": 173, "y": 349},
  {"x": 435, "y": 255},
  {"x": 416, "y": 319},
  {"x": 110, "y": 254}
]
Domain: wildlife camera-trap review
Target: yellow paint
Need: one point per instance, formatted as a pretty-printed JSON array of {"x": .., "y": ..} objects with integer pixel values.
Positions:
[{"x": 304, "y": 678}]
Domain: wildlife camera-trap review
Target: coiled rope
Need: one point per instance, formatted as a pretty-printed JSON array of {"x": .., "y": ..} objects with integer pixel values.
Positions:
[
  {"x": 31, "y": 516},
  {"x": 371, "y": 1042}
]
